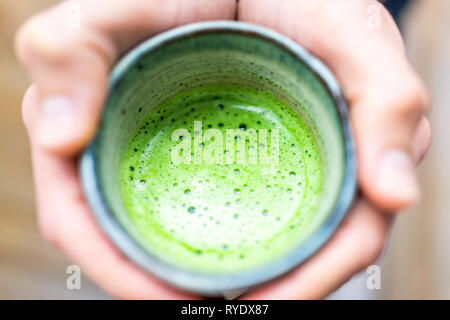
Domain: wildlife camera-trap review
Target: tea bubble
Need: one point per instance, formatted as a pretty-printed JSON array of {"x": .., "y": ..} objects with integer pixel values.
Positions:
[{"x": 191, "y": 210}]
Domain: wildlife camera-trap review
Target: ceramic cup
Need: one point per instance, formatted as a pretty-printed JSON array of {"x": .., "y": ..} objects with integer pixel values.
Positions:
[{"x": 209, "y": 53}]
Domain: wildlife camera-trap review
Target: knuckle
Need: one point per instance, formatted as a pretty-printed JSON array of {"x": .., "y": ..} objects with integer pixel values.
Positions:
[
  {"x": 407, "y": 98},
  {"x": 42, "y": 42},
  {"x": 20, "y": 40},
  {"x": 414, "y": 98},
  {"x": 36, "y": 40}
]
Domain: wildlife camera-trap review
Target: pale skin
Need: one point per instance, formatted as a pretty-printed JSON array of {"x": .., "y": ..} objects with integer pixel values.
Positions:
[{"x": 69, "y": 69}]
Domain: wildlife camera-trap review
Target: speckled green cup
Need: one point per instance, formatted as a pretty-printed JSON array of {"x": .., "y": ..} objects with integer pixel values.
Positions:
[{"x": 218, "y": 53}]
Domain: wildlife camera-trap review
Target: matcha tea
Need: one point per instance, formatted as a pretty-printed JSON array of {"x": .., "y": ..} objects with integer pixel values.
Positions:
[{"x": 248, "y": 206}]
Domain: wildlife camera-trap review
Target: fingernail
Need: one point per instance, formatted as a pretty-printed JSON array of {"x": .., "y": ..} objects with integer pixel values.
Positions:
[
  {"x": 57, "y": 121},
  {"x": 397, "y": 176}
]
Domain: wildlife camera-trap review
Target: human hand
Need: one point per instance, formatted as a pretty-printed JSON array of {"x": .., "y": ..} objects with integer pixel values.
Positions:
[
  {"x": 386, "y": 98},
  {"x": 70, "y": 70},
  {"x": 388, "y": 104}
]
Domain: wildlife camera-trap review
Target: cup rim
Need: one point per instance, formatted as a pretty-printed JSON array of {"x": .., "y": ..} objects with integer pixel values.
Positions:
[{"x": 216, "y": 284}]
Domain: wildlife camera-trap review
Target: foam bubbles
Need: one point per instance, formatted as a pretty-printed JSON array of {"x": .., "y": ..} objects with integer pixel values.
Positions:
[{"x": 220, "y": 217}]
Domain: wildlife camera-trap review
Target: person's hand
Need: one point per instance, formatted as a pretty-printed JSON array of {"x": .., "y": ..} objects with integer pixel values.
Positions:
[
  {"x": 70, "y": 69},
  {"x": 388, "y": 104}
]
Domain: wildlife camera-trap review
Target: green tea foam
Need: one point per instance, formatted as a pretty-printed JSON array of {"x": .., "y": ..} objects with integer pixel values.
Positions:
[{"x": 225, "y": 216}]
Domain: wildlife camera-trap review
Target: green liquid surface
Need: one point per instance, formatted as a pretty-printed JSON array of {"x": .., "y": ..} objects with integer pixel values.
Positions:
[{"x": 229, "y": 215}]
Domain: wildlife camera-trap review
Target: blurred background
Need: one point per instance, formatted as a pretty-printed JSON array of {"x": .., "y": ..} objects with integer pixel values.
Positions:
[{"x": 415, "y": 265}]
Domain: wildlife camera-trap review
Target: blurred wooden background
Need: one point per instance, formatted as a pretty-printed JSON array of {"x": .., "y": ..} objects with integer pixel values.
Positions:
[{"x": 416, "y": 264}]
